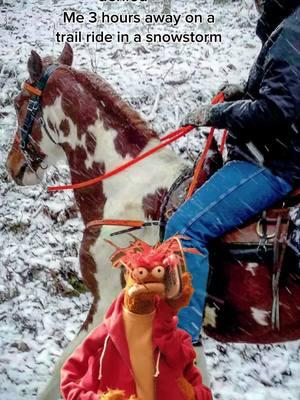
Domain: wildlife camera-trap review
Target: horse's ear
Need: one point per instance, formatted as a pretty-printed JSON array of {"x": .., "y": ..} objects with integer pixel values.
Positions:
[
  {"x": 35, "y": 66},
  {"x": 66, "y": 56}
]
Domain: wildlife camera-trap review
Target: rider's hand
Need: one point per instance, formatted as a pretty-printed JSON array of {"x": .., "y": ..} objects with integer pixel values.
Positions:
[
  {"x": 232, "y": 92},
  {"x": 198, "y": 117}
]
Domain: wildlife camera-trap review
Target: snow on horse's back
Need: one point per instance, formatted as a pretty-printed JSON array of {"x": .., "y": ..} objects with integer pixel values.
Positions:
[{"x": 84, "y": 121}]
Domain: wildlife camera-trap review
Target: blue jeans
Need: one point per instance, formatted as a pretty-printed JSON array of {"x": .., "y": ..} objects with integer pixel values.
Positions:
[{"x": 229, "y": 198}]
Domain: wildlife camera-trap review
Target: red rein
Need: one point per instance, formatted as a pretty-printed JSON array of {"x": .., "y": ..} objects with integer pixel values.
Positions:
[{"x": 166, "y": 140}]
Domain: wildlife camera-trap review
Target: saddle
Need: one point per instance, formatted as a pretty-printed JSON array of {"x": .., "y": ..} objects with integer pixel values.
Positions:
[
  {"x": 260, "y": 247},
  {"x": 266, "y": 236}
]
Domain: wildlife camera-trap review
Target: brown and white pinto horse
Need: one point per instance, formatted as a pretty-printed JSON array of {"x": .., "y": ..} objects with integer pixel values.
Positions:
[{"x": 84, "y": 121}]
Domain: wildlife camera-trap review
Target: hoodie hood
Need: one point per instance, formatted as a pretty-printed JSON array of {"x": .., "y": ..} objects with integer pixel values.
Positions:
[
  {"x": 274, "y": 12},
  {"x": 115, "y": 327}
]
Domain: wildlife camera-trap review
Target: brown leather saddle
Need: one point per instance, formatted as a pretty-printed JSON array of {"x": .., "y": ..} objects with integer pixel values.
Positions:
[{"x": 267, "y": 229}]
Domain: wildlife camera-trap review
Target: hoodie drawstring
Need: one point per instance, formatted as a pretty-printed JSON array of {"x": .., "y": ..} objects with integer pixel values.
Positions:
[
  {"x": 157, "y": 372},
  {"x": 102, "y": 357}
]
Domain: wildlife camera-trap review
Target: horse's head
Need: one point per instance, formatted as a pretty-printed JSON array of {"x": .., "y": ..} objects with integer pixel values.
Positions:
[{"x": 34, "y": 148}]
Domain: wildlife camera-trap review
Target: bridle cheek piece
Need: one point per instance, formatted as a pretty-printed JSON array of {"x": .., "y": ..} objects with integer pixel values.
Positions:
[{"x": 33, "y": 109}]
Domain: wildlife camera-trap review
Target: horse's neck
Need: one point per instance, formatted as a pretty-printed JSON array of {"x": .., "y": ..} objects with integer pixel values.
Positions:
[
  {"x": 135, "y": 193},
  {"x": 96, "y": 141}
]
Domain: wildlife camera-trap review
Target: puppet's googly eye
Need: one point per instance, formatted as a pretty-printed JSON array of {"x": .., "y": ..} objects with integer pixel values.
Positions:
[
  {"x": 158, "y": 272},
  {"x": 140, "y": 273}
]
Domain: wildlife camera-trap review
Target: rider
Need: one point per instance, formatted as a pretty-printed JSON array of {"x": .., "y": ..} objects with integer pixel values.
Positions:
[{"x": 263, "y": 147}]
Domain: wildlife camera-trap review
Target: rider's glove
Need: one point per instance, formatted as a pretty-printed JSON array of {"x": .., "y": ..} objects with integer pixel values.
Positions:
[
  {"x": 232, "y": 92},
  {"x": 198, "y": 117}
]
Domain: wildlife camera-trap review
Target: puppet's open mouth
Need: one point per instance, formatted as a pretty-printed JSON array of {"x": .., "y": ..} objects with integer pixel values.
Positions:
[{"x": 158, "y": 288}]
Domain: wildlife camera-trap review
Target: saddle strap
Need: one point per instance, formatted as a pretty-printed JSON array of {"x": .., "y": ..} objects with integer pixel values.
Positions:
[{"x": 279, "y": 251}]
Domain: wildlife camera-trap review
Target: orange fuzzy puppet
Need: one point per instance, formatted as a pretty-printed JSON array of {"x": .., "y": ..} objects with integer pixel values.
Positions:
[{"x": 138, "y": 353}]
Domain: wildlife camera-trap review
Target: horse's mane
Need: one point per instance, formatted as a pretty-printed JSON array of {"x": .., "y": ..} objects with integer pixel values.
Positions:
[{"x": 117, "y": 112}]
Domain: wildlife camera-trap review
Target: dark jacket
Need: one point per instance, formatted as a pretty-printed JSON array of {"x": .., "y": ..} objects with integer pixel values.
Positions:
[{"x": 264, "y": 127}]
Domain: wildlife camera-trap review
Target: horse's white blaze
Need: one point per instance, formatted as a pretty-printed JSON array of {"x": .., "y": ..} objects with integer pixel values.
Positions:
[
  {"x": 260, "y": 316},
  {"x": 251, "y": 268}
]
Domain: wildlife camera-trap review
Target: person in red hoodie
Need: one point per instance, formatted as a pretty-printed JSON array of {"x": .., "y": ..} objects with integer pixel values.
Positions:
[{"x": 137, "y": 352}]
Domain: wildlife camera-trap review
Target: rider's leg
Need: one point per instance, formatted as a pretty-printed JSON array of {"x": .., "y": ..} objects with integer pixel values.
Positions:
[{"x": 234, "y": 194}]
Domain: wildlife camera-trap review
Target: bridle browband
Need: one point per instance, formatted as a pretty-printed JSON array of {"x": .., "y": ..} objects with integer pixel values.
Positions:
[{"x": 33, "y": 108}]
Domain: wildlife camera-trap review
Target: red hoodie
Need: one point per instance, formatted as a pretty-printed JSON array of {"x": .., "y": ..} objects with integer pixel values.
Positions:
[{"x": 102, "y": 362}]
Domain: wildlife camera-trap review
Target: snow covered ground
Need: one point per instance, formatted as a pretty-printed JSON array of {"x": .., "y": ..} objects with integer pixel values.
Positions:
[{"x": 39, "y": 309}]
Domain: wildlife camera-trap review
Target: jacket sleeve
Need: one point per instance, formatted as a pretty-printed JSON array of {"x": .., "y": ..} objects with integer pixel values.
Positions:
[
  {"x": 278, "y": 103},
  {"x": 192, "y": 373},
  {"x": 79, "y": 374},
  {"x": 166, "y": 335}
]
